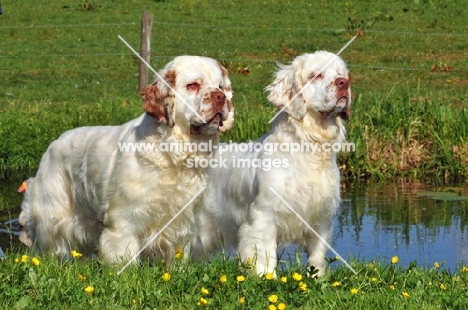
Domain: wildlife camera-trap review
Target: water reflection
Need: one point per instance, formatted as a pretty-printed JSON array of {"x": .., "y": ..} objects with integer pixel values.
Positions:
[
  {"x": 375, "y": 220},
  {"x": 392, "y": 219}
]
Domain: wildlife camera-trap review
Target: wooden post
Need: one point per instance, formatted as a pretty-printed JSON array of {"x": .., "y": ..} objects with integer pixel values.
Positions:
[{"x": 145, "y": 47}]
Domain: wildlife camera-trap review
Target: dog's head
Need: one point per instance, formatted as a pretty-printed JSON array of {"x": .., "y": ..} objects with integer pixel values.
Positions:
[
  {"x": 318, "y": 82},
  {"x": 193, "y": 92}
]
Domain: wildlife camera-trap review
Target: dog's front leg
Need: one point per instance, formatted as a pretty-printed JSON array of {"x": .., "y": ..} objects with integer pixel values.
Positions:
[
  {"x": 118, "y": 245},
  {"x": 257, "y": 241},
  {"x": 316, "y": 248}
]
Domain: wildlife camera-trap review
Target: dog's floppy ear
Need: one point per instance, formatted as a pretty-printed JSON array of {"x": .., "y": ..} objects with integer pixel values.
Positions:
[
  {"x": 227, "y": 89},
  {"x": 283, "y": 92},
  {"x": 158, "y": 100}
]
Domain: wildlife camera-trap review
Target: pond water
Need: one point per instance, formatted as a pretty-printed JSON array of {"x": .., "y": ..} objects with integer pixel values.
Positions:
[{"x": 418, "y": 221}]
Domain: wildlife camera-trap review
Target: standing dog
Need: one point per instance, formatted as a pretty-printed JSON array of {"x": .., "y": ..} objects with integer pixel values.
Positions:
[
  {"x": 241, "y": 207},
  {"x": 109, "y": 190}
]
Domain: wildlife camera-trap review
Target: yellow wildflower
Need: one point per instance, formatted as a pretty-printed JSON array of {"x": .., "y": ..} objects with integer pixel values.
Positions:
[
  {"x": 281, "y": 306},
  {"x": 269, "y": 276},
  {"x": 204, "y": 291},
  {"x": 373, "y": 279},
  {"x": 24, "y": 258},
  {"x": 442, "y": 286},
  {"x": 302, "y": 286},
  {"x": 296, "y": 276},
  {"x": 436, "y": 265},
  {"x": 89, "y": 289},
  {"x": 284, "y": 279},
  {"x": 75, "y": 254},
  {"x": 179, "y": 253},
  {"x": 405, "y": 294},
  {"x": 273, "y": 298},
  {"x": 17, "y": 260},
  {"x": 354, "y": 291},
  {"x": 242, "y": 300},
  {"x": 35, "y": 261},
  {"x": 240, "y": 278},
  {"x": 249, "y": 262},
  {"x": 166, "y": 276},
  {"x": 203, "y": 301},
  {"x": 223, "y": 278},
  {"x": 81, "y": 277},
  {"x": 336, "y": 283},
  {"x": 464, "y": 269},
  {"x": 392, "y": 287},
  {"x": 271, "y": 307},
  {"x": 395, "y": 259},
  {"x": 134, "y": 301}
]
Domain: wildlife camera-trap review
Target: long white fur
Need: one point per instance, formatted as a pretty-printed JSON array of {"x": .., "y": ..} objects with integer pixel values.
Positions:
[
  {"x": 240, "y": 210},
  {"x": 90, "y": 197}
]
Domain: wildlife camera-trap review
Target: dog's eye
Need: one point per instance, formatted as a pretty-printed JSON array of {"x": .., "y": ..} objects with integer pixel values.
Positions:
[
  {"x": 315, "y": 76},
  {"x": 220, "y": 86},
  {"x": 193, "y": 86}
]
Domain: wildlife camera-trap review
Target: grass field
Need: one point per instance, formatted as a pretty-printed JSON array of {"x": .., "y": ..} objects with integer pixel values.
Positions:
[
  {"x": 63, "y": 66},
  {"x": 29, "y": 282}
]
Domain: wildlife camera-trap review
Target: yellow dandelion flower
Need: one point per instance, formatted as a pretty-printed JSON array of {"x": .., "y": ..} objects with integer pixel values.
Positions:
[
  {"x": 242, "y": 300},
  {"x": 203, "y": 301},
  {"x": 281, "y": 306},
  {"x": 392, "y": 287},
  {"x": 24, "y": 258},
  {"x": 336, "y": 284},
  {"x": 179, "y": 253},
  {"x": 134, "y": 301},
  {"x": 273, "y": 299},
  {"x": 240, "y": 278},
  {"x": 442, "y": 286},
  {"x": 337, "y": 257},
  {"x": 296, "y": 276},
  {"x": 271, "y": 307},
  {"x": 395, "y": 259},
  {"x": 302, "y": 286},
  {"x": 464, "y": 269},
  {"x": 284, "y": 279},
  {"x": 89, "y": 289},
  {"x": 223, "y": 278},
  {"x": 405, "y": 294},
  {"x": 354, "y": 291},
  {"x": 166, "y": 276},
  {"x": 35, "y": 261},
  {"x": 81, "y": 277},
  {"x": 110, "y": 273},
  {"x": 17, "y": 260},
  {"x": 269, "y": 276},
  {"x": 436, "y": 265},
  {"x": 204, "y": 291},
  {"x": 249, "y": 262},
  {"x": 76, "y": 254},
  {"x": 373, "y": 279}
]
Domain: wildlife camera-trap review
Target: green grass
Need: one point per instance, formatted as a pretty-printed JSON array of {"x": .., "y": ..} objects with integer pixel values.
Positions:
[
  {"x": 63, "y": 66},
  {"x": 381, "y": 284}
]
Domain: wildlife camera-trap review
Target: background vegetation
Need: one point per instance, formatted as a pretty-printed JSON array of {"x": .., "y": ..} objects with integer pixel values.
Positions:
[{"x": 63, "y": 66}]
